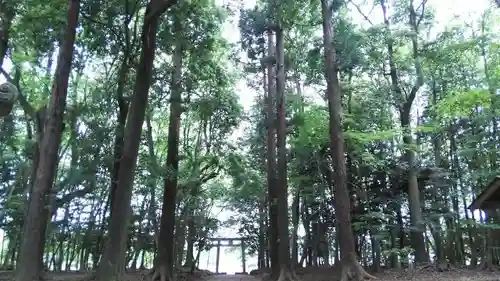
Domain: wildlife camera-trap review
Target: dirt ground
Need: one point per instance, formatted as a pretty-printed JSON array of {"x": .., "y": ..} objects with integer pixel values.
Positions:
[
  {"x": 82, "y": 276},
  {"x": 428, "y": 274},
  {"x": 414, "y": 275},
  {"x": 316, "y": 274}
]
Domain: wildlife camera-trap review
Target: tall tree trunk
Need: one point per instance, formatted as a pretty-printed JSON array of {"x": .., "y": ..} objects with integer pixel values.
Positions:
[
  {"x": 436, "y": 229},
  {"x": 417, "y": 232},
  {"x": 164, "y": 264},
  {"x": 120, "y": 126},
  {"x": 296, "y": 199},
  {"x": 271, "y": 161},
  {"x": 295, "y": 223},
  {"x": 191, "y": 236},
  {"x": 262, "y": 240},
  {"x": 349, "y": 263},
  {"x": 282, "y": 182},
  {"x": 112, "y": 264},
  {"x": 261, "y": 255},
  {"x": 154, "y": 170},
  {"x": 121, "y": 120},
  {"x": 7, "y": 8},
  {"x": 180, "y": 236},
  {"x": 30, "y": 263}
]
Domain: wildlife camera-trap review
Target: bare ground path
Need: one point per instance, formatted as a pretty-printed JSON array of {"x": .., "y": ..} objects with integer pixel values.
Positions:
[
  {"x": 329, "y": 275},
  {"x": 134, "y": 276},
  {"x": 236, "y": 277},
  {"x": 316, "y": 274}
]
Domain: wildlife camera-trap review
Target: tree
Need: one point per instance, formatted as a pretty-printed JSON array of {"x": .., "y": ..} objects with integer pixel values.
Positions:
[
  {"x": 284, "y": 261},
  {"x": 404, "y": 104},
  {"x": 30, "y": 262},
  {"x": 350, "y": 268},
  {"x": 113, "y": 262},
  {"x": 272, "y": 180},
  {"x": 164, "y": 264},
  {"x": 450, "y": 129}
]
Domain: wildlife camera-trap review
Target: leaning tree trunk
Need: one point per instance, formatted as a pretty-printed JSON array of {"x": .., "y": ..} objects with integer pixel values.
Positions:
[
  {"x": 349, "y": 264},
  {"x": 164, "y": 263},
  {"x": 112, "y": 264},
  {"x": 30, "y": 263},
  {"x": 120, "y": 126}
]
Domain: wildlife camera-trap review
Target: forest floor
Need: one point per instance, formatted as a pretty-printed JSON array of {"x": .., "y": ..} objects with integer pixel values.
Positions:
[
  {"x": 319, "y": 274},
  {"x": 309, "y": 274},
  {"x": 424, "y": 274}
]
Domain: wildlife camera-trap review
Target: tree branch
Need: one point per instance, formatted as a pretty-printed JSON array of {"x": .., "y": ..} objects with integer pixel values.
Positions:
[
  {"x": 90, "y": 19},
  {"x": 156, "y": 8},
  {"x": 361, "y": 12},
  {"x": 423, "y": 11}
]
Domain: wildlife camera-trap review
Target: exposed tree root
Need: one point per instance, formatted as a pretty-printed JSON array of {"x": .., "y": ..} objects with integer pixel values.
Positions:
[
  {"x": 485, "y": 265},
  {"x": 161, "y": 273},
  {"x": 444, "y": 266},
  {"x": 429, "y": 267},
  {"x": 287, "y": 275},
  {"x": 351, "y": 270}
]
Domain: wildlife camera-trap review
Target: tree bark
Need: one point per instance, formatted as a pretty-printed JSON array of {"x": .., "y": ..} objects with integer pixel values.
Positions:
[
  {"x": 281, "y": 186},
  {"x": 404, "y": 107},
  {"x": 7, "y": 17},
  {"x": 30, "y": 264},
  {"x": 349, "y": 264},
  {"x": 112, "y": 264},
  {"x": 271, "y": 161},
  {"x": 164, "y": 263}
]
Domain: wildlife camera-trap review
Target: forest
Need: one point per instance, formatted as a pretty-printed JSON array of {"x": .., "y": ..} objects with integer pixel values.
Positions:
[{"x": 347, "y": 139}]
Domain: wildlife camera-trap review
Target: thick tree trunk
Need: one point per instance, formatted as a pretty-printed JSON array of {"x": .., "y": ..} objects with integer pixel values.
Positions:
[
  {"x": 118, "y": 144},
  {"x": 112, "y": 264},
  {"x": 285, "y": 267},
  {"x": 30, "y": 263},
  {"x": 164, "y": 263},
  {"x": 417, "y": 231},
  {"x": 271, "y": 161},
  {"x": 295, "y": 223},
  {"x": 349, "y": 264},
  {"x": 120, "y": 126},
  {"x": 261, "y": 254},
  {"x": 262, "y": 240},
  {"x": 180, "y": 236},
  {"x": 191, "y": 235},
  {"x": 7, "y": 17}
]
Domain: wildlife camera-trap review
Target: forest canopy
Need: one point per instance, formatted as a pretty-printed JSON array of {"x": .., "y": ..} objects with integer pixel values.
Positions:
[{"x": 342, "y": 134}]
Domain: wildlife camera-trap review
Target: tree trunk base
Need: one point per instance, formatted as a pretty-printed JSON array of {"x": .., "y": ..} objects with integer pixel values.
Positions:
[
  {"x": 351, "y": 270},
  {"x": 41, "y": 277},
  {"x": 287, "y": 275},
  {"x": 485, "y": 265},
  {"x": 444, "y": 266},
  {"x": 105, "y": 274},
  {"x": 161, "y": 273}
]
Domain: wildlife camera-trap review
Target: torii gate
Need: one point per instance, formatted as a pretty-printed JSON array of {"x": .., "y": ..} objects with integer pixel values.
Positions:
[{"x": 231, "y": 242}]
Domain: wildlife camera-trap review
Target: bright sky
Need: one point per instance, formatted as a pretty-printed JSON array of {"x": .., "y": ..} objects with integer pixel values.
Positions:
[{"x": 446, "y": 11}]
